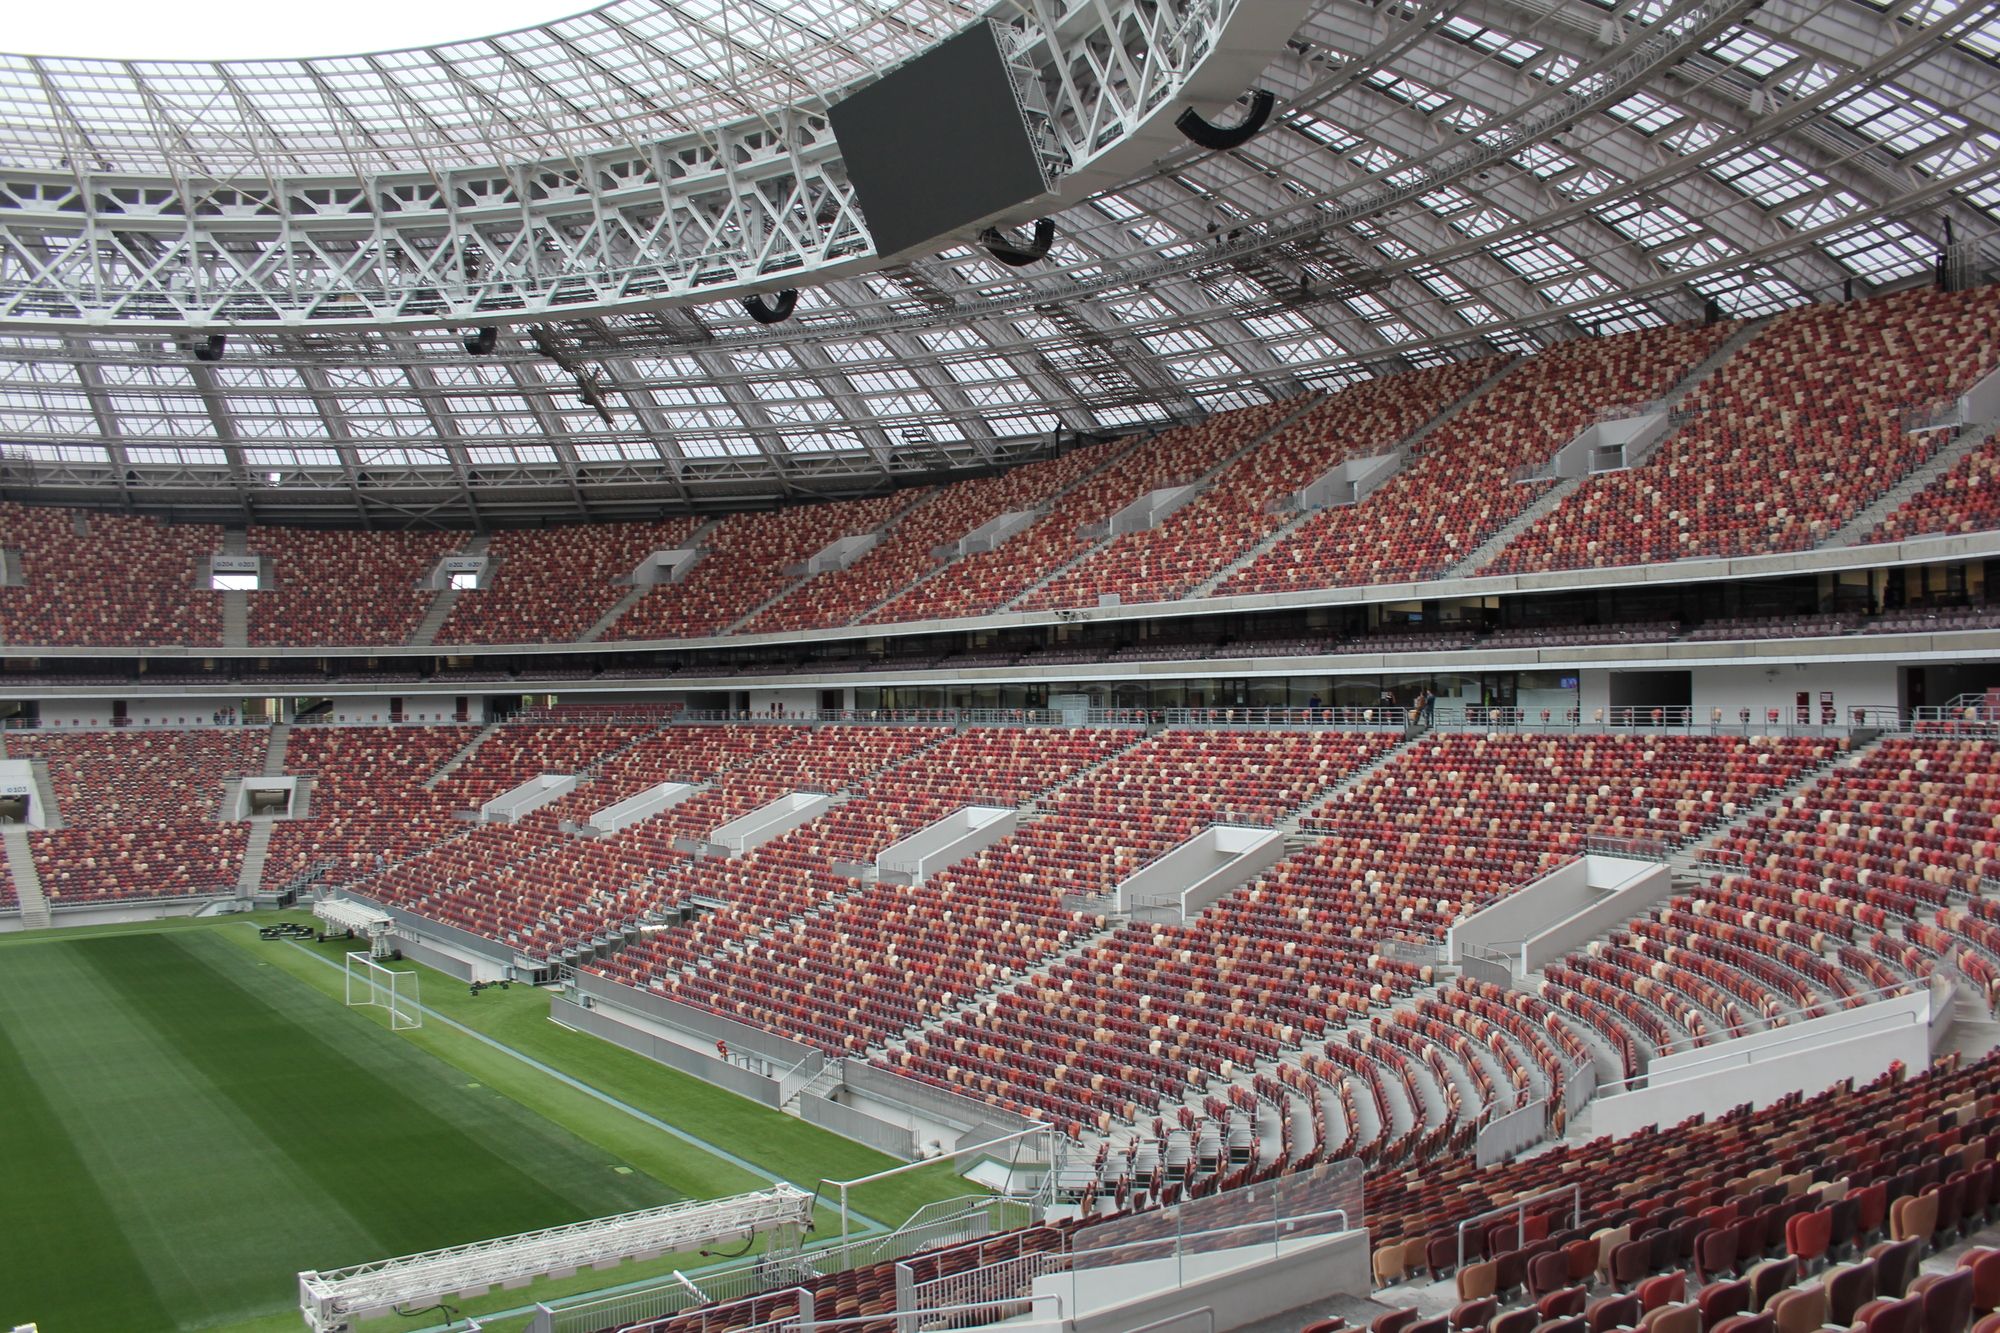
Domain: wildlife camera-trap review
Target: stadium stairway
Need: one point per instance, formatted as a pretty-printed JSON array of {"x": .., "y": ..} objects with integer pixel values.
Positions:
[
  {"x": 27, "y": 881},
  {"x": 426, "y": 632},
  {"x": 256, "y": 851},
  {"x": 235, "y": 605},
  {"x": 1112, "y": 458},
  {"x": 275, "y": 748},
  {"x": 1489, "y": 550},
  {"x": 918, "y": 498},
  {"x": 1201, "y": 485},
  {"x": 457, "y": 761},
  {"x": 1915, "y": 480},
  {"x": 1207, "y": 587},
  {"x": 637, "y": 592},
  {"x": 1685, "y": 863}
]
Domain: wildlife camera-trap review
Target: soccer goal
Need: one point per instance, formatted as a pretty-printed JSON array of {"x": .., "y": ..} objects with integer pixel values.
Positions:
[{"x": 370, "y": 983}]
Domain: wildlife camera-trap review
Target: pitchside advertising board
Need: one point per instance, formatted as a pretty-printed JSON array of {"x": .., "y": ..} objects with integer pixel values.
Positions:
[{"x": 938, "y": 144}]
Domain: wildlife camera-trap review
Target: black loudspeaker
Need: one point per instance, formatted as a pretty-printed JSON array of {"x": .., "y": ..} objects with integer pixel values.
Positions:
[
  {"x": 1014, "y": 255},
  {"x": 210, "y": 348},
  {"x": 482, "y": 341},
  {"x": 1221, "y": 139},
  {"x": 1711, "y": 312},
  {"x": 395, "y": 955},
  {"x": 776, "y": 312}
]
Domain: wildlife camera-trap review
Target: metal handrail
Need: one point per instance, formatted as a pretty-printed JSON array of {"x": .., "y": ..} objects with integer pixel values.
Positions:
[{"x": 1520, "y": 1208}]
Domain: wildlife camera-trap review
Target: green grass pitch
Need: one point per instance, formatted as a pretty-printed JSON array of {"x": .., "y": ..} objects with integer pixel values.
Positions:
[{"x": 189, "y": 1116}]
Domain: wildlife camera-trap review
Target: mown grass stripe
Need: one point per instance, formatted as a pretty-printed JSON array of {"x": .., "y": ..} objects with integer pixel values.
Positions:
[
  {"x": 65, "y": 1260},
  {"x": 415, "y": 1177},
  {"x": 177, "y": 1162}
]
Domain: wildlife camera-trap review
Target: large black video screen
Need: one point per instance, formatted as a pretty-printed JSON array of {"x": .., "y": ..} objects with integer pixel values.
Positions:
[{"x": 938, "y": 144}]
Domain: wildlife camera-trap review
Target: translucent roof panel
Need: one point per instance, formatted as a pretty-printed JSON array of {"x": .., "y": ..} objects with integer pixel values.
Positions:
[
  {"x": 623, "y": 73},
  {"x": 1414, "y": 199}
]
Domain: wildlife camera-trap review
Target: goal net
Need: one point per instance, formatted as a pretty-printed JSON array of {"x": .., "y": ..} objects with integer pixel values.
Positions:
[{"x": 371, "y": 984}]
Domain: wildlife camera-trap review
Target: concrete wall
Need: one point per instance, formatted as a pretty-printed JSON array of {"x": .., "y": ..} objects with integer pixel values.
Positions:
[
  {"x": 702, "y": 1027},
  {"x": 1765, "y": 1066},
  {"x": 643, "y": 805},
  {"x": 1201, "y": 870},
  {"x": 1503, "y": 1136},
  {"x": 788, "y": 703},
  {"x": 1626, "y": 890},
  {"x": 605, "y": 1023},
  {"x": 530, "y": 796},
  {"x": 1576, "y": 887},
  {"x": 960, "y": 834},
  {"x": 1240, "y": 1286},
  {"x": 769, "y": 821},
  {"x": 373, "y": 709}
]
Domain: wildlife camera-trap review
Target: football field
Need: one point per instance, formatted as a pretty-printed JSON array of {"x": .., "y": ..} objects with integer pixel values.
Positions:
[{"x": 187, "y": 1120}]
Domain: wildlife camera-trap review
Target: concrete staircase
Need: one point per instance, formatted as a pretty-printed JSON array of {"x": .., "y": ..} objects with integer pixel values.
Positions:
[
  {"x": 1489, "y": 550},
  {"x": 255, "y": 853},
  {"x": 426, "y": 632},
  {"x": 275, "y": 749},
  {"x": 1685, "y": 863},
  {"x": 637, "y": 593},
  {"x": 27, "y": 880},
  {"x": 1200, "y": 483},
  {"x": 453, "y": 764},
  {"x": 618, "y": 608},
  {"x": 1113, "y": 456},
  {"x": 1915, "y": 480},
  {"x": 1208, "y": 586}
]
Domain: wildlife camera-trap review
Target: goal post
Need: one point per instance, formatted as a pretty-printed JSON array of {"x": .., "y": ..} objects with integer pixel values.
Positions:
[{"x": 370, "y": 984}]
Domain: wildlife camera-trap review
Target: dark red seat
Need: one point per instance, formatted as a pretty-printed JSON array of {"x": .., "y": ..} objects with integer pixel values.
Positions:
[{"x": 1607, "y": 1312}]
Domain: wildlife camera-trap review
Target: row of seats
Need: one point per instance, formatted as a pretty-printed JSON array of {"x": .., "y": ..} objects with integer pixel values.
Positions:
[
  {"x": 550, "y": 585},
  {"x": 100, "y": 579},
  {"x": 1458, "y": 488},
  {"x": 1787, "y": 442},
  {"x": 746, "y": 560},
  {"x": 1965, "y": 499},
  {"x": 139, "y": 812},
  {"x": 342, "y": 587},
  {"x": 907, "y": 552},
  {"x": 1235, "y": 511}
]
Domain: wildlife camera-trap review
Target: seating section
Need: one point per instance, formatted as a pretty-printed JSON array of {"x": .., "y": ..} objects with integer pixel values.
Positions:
[
  {"x": 343, "y": 588},
  {"x": 553, "y": 584},
  {"x": 747, "y": 560},
  {"x": 1965, "y": 499},
  {"x": 139, "y": 812},
  {"x": 1846, "y": 890},
  {"x": 1235, "y": 511},
  {"x": 1539, "y": 1232},
  {"x": 993, "y": 579},
  {"x": 885, "y": 959},
  {"x": 1812, "y": 410},
  {"x": 905, "y": 554},
  {"x": 1459, "y": 487},
  {"x": 367, "y": 805},
  {"x": 107, "y": 580}
]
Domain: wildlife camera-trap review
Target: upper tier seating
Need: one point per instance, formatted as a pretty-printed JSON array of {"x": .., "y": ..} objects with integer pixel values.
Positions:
[
  {"x": 904, "y": 555},
  {"x": 549, "y": 585},
  {"x": 1456, "y": 490},
  {"x": 993, "y": 579},
  {"x": 342, "y": 588},
  {"x": 1789, "y": 441},
  {"x": 745, "y": 562},
  {"x": 139, "y": 812},
  {"x": 98, "y": 579},
  {"x": 1230, "y": 516},
  {"x": 1195, "y": 451},
  {"x": 1965, "y": 499}
]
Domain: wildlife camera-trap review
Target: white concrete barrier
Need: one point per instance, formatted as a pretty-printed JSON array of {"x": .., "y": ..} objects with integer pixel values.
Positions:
[
  {"x": 509, "y": 806},
  {"x": 960, "y": 834}
]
